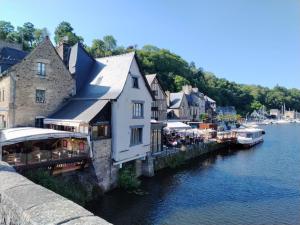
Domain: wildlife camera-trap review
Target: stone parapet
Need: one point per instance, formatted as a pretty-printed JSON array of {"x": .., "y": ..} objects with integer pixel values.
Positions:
[{"x": 23, "y": 202}]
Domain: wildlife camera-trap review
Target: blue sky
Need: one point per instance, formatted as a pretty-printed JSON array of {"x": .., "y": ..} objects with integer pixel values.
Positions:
[{"x": 246, "y": 41}]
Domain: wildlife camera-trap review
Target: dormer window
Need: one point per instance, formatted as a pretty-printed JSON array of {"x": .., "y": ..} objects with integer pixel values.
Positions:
[
  {"x": 41, "y": 69},
  {"x": 135, "y": 82}
]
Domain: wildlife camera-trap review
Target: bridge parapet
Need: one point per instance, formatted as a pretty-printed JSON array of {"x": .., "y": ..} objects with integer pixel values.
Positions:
[{"x": 23, "y": 202}]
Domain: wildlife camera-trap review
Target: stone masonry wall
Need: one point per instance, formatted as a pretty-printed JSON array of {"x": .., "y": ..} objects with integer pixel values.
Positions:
[
  {"x": 58, "y": 83},
  {"x": 23, "y": 202},
  {"x": 106, "y": 173},
  {"x": 5, "y": 99},
  {"x": 10, "y": 45},
  {"x": 187, "y": 153}
]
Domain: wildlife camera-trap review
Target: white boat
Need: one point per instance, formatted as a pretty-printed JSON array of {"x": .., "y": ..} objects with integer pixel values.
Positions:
[
  {"x": 249, "y": 136},
  {"x": 282, "y": 121}
]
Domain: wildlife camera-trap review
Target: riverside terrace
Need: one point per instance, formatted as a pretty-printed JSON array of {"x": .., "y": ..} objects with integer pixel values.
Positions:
[{"x": 28, "y": 148}]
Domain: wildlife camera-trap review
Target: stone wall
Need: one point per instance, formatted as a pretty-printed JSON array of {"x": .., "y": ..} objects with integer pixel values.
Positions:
[
  {"x": 106, "y": 173},
  {"x": 10, "y": 45},
  {"x": 58, "y": 84},
  {"x": 186, "y": 153},
  {"x": 23, "y": 202}
]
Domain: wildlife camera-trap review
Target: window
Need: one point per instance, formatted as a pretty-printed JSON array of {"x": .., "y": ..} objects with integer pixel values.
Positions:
[
  {"x": 138, "y": 110},
  {"x": 101, "y": 131},
  {"x": 155, "y": 92},
  {"x": 39, "y": 122},
  {"x": 41, "y": 70},
  {"x": 40, "y": 96},
  {"x": 135, "y": 82},
  {"x": 136, "y": 136},
  {"x": 2, "y": 122}
]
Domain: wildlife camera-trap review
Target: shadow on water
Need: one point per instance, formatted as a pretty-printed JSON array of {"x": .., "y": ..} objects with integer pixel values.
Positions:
[{"x": 235, "y": 176}]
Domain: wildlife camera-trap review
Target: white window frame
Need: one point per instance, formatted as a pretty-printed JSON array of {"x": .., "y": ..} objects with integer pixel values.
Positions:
[{"x": 41, "y": 69}]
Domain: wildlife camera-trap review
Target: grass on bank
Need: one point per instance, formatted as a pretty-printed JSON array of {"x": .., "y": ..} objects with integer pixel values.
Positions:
[{"x": 70, "y": 189}]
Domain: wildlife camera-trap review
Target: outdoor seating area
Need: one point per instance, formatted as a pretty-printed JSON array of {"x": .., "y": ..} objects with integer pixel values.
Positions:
[
  {"x": 32, "y": 152},
  {"x": 45, "y": 147},
  {"x": 177, "y": 134}
]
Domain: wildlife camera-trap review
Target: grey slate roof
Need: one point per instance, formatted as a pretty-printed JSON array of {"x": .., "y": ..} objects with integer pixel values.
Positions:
[
  {"x": 99, "y": 80},
  {"x": 176, "y": 99},
  {"x": 107, "y": 77},
  {"x": 81, "y": 110},
  {"x": 10, "y": 57},
  {"x": 80, "y": 63}
]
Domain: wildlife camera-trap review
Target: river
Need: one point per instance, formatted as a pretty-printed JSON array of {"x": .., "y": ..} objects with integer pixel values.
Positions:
[{"x": 257, "y": 186}]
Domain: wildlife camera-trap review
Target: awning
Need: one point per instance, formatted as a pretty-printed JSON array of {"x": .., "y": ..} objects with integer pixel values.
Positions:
[
  {"x": 178, "y": 125},
  {"x": 17, "y": 135}
]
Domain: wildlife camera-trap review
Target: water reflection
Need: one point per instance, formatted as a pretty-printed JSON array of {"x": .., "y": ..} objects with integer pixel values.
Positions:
[{"x": 256, "y": 186}]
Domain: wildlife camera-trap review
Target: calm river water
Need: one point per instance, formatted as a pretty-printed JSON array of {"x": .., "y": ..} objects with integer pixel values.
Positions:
[{"x": 256, "y": 186}]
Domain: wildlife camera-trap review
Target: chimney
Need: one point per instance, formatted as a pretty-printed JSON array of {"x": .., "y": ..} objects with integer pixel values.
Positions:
[
  {"x": 168, "y": 97},
  {"x": 63, "y": 50}
]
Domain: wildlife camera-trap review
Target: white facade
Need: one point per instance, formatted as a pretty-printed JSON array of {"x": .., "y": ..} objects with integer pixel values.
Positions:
[{"x": 123, "y": 121}]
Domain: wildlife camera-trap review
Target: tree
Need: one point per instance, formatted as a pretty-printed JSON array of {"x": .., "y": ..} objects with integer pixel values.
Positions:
[
  {"x": 27, "y": 33},
  {"x": 98, "y": 48},
  {"x": 180, "y": 81},
  {"x": 203, "y": 117},
  {"x": 13, "y": 37},
  {"x": 255, "y": 105},
  {"x": 40, "y": 35},
  {"x": 110, "y": 43},
  {"x": 64, "y": 29},
  {"x": 5, "y": 29}
]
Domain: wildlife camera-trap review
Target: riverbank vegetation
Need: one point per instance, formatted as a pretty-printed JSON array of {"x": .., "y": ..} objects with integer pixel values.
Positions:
[
  {"x": 173, "y": 71},
  {"x": 127, "y": 179},
  {"x": 72, "y": 189}
]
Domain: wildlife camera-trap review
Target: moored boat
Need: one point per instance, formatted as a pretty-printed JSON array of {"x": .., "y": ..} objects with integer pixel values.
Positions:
[{"x": 249, "y": 137}]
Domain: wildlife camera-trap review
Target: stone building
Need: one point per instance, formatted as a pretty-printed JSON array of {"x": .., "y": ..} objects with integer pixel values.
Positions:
[
  {"x": 178, "y": 106},
  {"x": 196, "y": 102},
  {"x": 32, "y": 85}
]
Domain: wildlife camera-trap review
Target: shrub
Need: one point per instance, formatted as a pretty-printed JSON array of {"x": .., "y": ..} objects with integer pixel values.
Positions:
[
  {"x": 72, "y": 190},
  {"x": 175, "y": 161},
  {"x": 127, "y": 179}
]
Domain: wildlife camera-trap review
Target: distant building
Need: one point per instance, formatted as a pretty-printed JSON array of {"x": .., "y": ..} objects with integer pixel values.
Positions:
[
  {"x": 290, "y": 114},
  {"x": 196, "y": 102},
  {"x": 178, "y": 106},
  {"x": 210, "y": 108},
  {"x": 226, "y": 110},
  {"x": 275, "y": 113}
]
